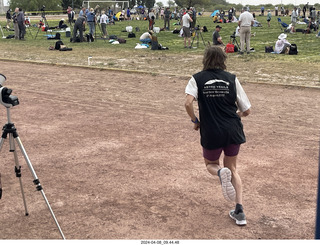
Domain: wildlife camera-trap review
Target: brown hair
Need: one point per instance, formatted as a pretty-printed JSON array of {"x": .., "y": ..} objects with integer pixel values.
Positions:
[{"x": 214, "y": 58}]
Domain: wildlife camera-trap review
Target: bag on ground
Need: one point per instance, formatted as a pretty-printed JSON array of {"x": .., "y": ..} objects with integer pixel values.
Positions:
[{"x": 293, "y": 50}]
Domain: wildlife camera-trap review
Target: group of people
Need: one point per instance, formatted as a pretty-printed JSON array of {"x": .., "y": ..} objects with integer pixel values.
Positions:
[
  {"x": 246, "y": 20},
  {"x": 219, "y": 16},
  {"x": 19, "y": 23},
  {"x": 90, "y": 17}
]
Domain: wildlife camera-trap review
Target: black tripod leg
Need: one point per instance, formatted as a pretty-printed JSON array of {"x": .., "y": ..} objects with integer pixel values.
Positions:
[
  {"x": 102, "y": 34},
  {"x": 0, "y": 187},
  {"x": 18, "y": 170},
  {"x": 193, "y": 39},
  {"x": 1, "y": 144},
  {"x": 37, "y": 33},
  {"x": 204, "y": 44},
  {"x": 30, "y": 32},
  {"x": 37, "y": 183}
]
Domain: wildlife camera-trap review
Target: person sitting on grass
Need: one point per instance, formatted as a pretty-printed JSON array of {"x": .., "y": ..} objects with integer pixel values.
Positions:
[
  {"x": 217, "y": 40},
  {"x": 146, "y": 37},
  {"x": 62, "y": 25},
  {"x": 282, "y": 44}
]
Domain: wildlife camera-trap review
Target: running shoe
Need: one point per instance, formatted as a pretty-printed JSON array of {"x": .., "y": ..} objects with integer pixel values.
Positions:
[
  {"x": 240, "y": 218},
  {"x": 228, "y": 190}
]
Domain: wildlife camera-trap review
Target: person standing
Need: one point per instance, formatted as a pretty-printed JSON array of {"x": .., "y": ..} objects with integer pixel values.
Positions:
[
  {"x": 70, "y": 13},
  {"x": 128, "y": 14},
  {"x": 294, "y": 18},
  {"x": 245, "y": 22},
  {"x": 167, "y": 15},
  {"x": 82, "y": 12},
  {"x": 21, "y": 24},
  {"x": 162, "y": 13},
  {"x": 276, "y": 9},
  {"x": 304, "y": 10},
  {"x": 103, "y": 23},
  {"x": 186, "y": 20},
  {"x": 220, "y": 95},
  {"x": 194, "y": 18},
  {"x": 8, "y": 17},
  {"x": 79, "y": 26},
  {"x": 15, "y": 23},
  {"x": 69, "y": 9},
  {"x": 230, "y": 14},
  {"x": 269, "y": 17},
  {"x": 151, "y": 23},
  {"x": 91, "y": 19}
]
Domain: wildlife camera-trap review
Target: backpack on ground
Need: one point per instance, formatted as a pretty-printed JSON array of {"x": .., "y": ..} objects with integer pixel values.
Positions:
[
  {"x": 113, "y": 37},
  {"x": 58, "y": 45},
  {"x": 293, "y": 50},
  {"x": 89, "y": 38},
  {"x": 229, "y": 48},
  {"x": 268, "y": 49},
  {"x": 121, "y": 40},
  {"x": 131, "y": 35}
]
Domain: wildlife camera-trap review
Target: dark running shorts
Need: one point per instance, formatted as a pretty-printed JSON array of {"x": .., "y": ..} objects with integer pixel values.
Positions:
[
  {"x": 213, "y": 155},
  {"x": 186, "y": 31}
]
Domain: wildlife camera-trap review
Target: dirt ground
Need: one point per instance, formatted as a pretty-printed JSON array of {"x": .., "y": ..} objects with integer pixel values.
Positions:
[{"x": 117, "y": 157}]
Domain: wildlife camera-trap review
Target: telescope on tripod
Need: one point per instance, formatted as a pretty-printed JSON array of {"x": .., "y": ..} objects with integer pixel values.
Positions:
[{"x": 8, "y": 101}]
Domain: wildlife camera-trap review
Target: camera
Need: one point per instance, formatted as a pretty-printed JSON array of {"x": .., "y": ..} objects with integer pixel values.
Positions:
[
  {"x": 233, "y": 35},
  {"x": 6, "y": 98}
]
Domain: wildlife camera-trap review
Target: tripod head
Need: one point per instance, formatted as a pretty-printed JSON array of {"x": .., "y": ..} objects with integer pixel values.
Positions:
[
  {"x": 198, "y": 28},
  {"x": 6, "y": 99}
]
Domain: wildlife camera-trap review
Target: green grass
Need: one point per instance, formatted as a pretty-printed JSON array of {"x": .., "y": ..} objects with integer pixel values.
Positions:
[{"x": 265, "y": 36}]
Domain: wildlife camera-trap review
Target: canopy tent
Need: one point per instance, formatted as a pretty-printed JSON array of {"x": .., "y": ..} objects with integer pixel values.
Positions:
[{"x": 214, "y": 13}]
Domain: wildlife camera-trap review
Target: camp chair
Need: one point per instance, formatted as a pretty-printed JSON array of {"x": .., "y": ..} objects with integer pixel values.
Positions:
[{"x": 283, "y": 26}]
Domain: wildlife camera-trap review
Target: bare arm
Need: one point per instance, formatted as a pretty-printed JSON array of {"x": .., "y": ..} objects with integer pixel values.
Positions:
[
  {"x": 245, "y": 113},
  {"x": 190, "y": 111}
]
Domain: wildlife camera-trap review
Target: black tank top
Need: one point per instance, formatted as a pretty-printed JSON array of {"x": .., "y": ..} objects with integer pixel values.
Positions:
[{"x": 220, "y": 125}]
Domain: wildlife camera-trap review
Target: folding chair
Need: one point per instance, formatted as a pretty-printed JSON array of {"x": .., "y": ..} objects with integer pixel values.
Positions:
[{"x": 283, "y": 26}]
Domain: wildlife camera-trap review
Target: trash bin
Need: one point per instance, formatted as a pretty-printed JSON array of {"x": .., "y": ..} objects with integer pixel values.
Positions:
[{"x": 68, "y": 32}]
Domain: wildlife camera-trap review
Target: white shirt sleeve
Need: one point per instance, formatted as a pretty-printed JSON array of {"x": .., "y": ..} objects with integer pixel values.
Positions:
[
  {"x": 242, "y": 99},
  {"x": 192, "y": 88}
]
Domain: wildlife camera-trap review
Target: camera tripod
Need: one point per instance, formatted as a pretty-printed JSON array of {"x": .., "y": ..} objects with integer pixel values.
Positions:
[
  {"x": 100, "y": 29},
  {"x": 43, "y": 20},
  {"x": 9, "y": 129},
  {"x": 234, "y": 41},
  {"x": 196, "y": 34},
  {"x": 3, "y": 36}
]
